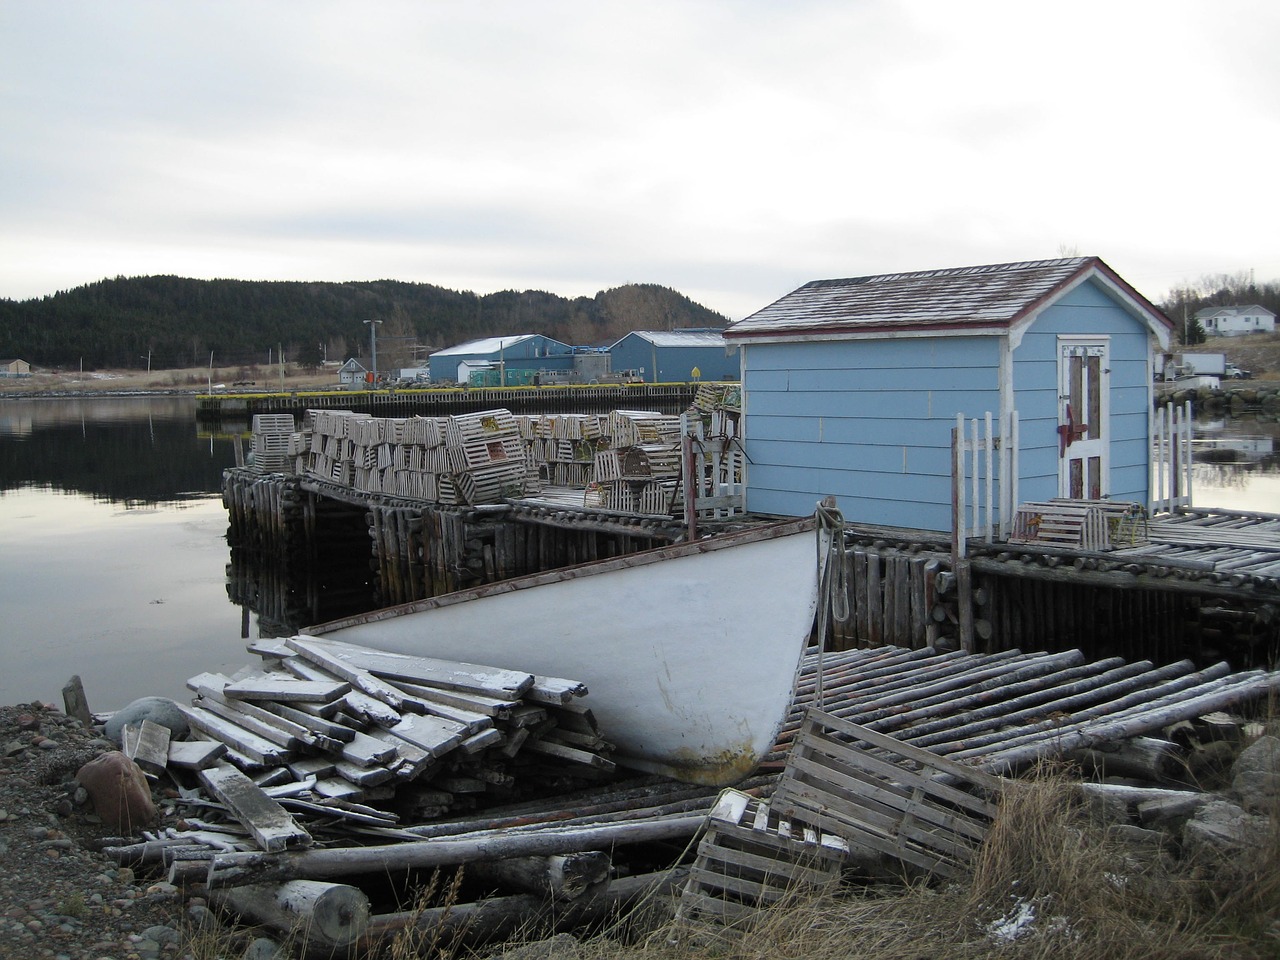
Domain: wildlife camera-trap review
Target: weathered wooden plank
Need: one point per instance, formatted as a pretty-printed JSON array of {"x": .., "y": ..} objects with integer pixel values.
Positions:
[
  {"x": 490, "y": 707},
  {"x": 317, "y": 725},
  {"x": 570, "y": 753},
  {"x": 364, "y": 776},
  {"x": 435, "y": 735},
  {"x": 255, "y": 748},
  {"x": 286, "y": 689},
  {"x": 195, "y": 754},
  {"x": 270, "y": 825},
  {"x": 483, "y": 740},
  {"x": 411, "y": 760},
  {"x": 315, "y": 768},
  {"x": 554, "y": 690},
  {"x": 147, "y": 745},
  {"x": 366, "y": 751},
  {"x": 345, "y": 666},
  {"x": 267, "y": 731},
  {"x": 429, "y": 671}
]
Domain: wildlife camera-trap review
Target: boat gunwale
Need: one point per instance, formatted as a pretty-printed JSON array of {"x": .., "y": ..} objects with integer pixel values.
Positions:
[{"x": 642, "y": 558}]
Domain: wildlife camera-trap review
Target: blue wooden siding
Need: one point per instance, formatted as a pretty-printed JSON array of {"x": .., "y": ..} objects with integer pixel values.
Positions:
[
  {"x": 868, "y": 421},
  {"x": 672, "y": 364},
  {"x": 1086, "y": 310}
]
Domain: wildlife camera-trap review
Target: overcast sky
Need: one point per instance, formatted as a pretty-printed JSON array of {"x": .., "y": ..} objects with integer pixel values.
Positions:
[{"x": 731, "y": 150}]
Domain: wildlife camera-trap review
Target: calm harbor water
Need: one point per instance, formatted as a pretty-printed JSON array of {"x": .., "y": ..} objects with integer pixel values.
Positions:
[{"x": 114, "y": 563}]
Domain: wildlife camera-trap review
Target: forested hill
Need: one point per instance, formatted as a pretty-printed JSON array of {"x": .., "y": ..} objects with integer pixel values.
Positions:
[{"x": 178, "y": 322}]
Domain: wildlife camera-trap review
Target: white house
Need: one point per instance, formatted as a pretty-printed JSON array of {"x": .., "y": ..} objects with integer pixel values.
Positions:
[
  {"x": 352, "y": 373},
  {"x": 1237, "y": 320}
]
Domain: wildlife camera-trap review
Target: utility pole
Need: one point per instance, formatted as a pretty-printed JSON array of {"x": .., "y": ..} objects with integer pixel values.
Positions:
[{"x": 373, "y": 348}]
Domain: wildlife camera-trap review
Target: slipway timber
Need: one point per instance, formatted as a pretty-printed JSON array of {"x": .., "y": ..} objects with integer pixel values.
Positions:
[{"x": 921, "y": 721}]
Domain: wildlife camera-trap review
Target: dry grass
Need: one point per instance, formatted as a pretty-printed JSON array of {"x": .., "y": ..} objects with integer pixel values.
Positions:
[
  {"x": 195, "y": 379},
  {"x": 1047, "y": 884}
]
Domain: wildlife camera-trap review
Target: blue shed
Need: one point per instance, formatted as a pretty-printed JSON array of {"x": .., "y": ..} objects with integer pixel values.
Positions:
[
  {"x": 673, "y": 355},
  {"x": 527, "y": 351},
  {"x": 852, "y": 387}
]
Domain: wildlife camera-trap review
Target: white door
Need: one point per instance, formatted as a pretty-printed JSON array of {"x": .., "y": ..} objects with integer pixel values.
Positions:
[{"x": 1083, "y": 430}]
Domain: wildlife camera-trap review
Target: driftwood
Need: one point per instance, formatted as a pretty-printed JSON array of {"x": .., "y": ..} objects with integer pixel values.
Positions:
[
  {"x": 558, "y": 877},
  {"x": 234, "y": 869},
  {"x": 319, "y": 914}
]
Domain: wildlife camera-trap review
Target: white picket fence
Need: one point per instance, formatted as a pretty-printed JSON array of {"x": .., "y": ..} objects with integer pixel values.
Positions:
[
  {"x": 984, "y": 479},
  {"x": 1171, "y": 458}
]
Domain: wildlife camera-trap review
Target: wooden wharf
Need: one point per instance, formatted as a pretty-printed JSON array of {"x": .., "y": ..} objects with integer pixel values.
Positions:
[
  {"x": 1205, "y": 585},
  {"x": 436, "y": 401}
]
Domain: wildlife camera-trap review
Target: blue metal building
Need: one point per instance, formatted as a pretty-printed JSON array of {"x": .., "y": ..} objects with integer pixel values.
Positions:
[
  {"x": 528, "y": 351},
  {"x": 673, "y": 355},
  {"x": 852, "y": 387}
]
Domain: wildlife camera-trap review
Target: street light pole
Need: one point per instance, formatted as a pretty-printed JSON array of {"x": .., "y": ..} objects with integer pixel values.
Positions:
[{"x": 373, "y": 348}]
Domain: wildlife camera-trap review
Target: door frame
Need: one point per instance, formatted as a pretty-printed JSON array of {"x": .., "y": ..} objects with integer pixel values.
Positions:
[{"x": 1097, "y": 442}]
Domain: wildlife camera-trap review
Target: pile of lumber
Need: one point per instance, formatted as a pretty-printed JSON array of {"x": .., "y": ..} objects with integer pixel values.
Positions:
[{"x": 333, "y": 730}]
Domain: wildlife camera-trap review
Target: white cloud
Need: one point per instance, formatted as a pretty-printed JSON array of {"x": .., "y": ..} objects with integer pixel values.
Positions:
[{"x": 730, "y": 150}]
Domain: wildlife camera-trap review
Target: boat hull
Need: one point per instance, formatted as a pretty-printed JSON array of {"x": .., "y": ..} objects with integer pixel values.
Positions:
[{"x": 689, "y": 652}]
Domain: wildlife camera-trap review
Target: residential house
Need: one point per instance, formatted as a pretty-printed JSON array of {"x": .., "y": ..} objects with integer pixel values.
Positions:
[
  {"x": 1237, "y": 320},
  {"x": 12, "y": 367}
]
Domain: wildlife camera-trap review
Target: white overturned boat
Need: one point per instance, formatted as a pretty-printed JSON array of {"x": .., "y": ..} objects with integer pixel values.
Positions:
[{"x": 689, "y": 652}]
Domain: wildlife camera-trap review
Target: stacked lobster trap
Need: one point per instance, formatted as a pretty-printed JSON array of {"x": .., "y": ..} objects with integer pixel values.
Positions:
[{"x": 628, "y": 461}]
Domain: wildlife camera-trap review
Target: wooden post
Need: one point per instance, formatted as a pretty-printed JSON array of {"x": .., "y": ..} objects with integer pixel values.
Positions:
[
  {"x": 959, "y": 563},
  {"x": 74, "y": 702},
  {"x": 690, "y": 487}
]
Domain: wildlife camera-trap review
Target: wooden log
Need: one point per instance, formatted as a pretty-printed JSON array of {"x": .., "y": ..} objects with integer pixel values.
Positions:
[
  {"x": 311, "y": 912},
  {"x": 499, "y": 917},
  {"x": 233, "y": 869},
  {"x": 559, "y": 877},
  {"x": 1149, "y": 758}
]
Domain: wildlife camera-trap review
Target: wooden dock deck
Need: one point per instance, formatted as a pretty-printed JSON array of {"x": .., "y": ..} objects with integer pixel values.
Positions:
[
  {"x": 437, "y": 401},
  {"x": 1224, "y": 541}
]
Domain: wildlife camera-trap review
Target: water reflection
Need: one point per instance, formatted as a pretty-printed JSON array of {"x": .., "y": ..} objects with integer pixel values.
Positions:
[
  {"x": 129, "y": 450},
  {"x": 114, "y": 562},
  {"x": 1236, "y": 463}
]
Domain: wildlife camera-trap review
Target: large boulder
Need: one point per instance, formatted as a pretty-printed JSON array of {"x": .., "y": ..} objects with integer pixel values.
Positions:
[
  {"x": 119, "y": 790},
  {"x": 1255, "y": 777},
  {"x": 1222, "y": 831},
  {"x": 159, "y": 710}
]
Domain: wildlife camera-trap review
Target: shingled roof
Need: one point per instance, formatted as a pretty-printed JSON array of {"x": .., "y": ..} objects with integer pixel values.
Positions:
[{"x": 959, "y": 300}]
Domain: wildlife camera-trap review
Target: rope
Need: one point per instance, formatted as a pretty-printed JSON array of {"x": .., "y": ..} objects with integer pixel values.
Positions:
[{"x": 833, "y": 580}]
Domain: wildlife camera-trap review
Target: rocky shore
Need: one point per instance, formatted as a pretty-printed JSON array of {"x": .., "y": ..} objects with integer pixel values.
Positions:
[{"x": 59, "y": 898}]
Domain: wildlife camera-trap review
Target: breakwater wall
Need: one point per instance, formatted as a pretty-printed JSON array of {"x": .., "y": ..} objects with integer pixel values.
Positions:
[
  {"x": 661, "y": 397},
  {"x": 1248, "y": 396}
]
